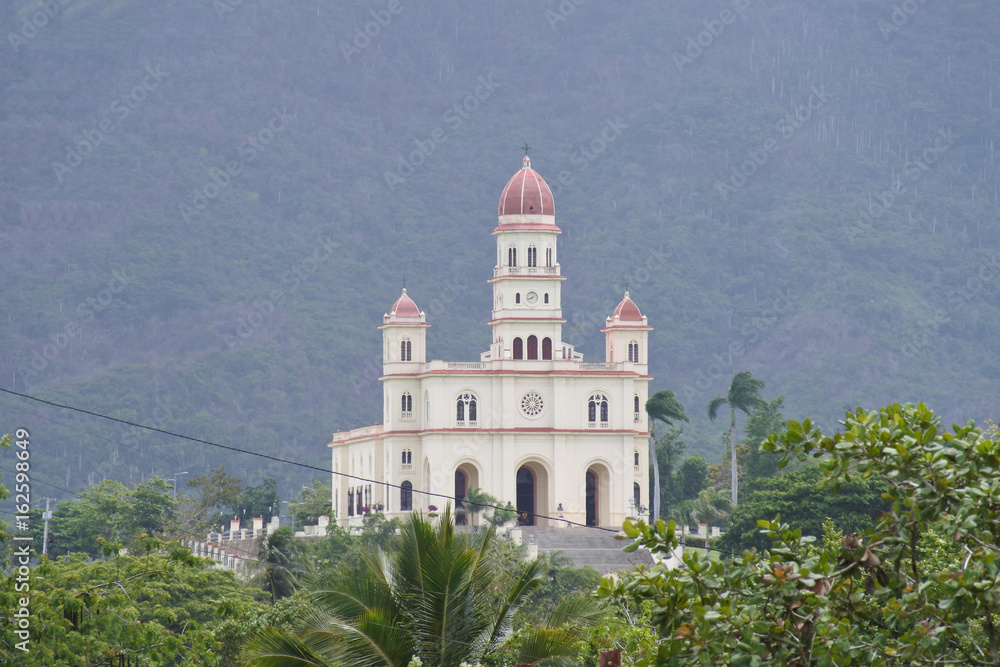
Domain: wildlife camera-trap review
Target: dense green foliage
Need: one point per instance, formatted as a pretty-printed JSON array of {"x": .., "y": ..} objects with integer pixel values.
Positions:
[
  {"x": 108, "y": 516},
  {"x": 761, "y": 424},
  {"x": 894, "y": 594},
  {"x": 848, "y": 255},
  {"x": 155, "y": 609},
  {"x": 802, "y": 502}
]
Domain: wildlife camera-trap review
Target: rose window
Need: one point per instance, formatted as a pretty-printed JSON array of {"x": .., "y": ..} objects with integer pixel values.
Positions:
[{"x": 532, "y": 404}]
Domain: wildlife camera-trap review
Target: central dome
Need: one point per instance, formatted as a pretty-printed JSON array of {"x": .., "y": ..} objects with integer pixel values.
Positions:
[{"x": 526, "y": 194}]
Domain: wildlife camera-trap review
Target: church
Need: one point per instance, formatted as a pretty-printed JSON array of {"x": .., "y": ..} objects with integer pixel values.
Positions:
[{"x": 530, "y": 423}]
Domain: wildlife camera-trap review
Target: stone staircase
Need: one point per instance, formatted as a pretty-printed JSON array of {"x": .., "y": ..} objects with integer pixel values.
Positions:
[{"x": 584, "y": 546}]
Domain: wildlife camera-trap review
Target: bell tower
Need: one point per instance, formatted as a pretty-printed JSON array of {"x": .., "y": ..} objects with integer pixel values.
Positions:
[{"x": 527, "y": 311}]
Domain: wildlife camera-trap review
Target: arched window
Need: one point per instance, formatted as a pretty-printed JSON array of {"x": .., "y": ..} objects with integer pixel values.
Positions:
[
  {"x": 532, "y": 347},
  {"x": 512, "y": 256},
  {"x": 546, "y": 348},
  {"x": 357, "y": 500},
  {"x": 466, "y": 406},
  {"x": 350, "y": 502},
  {"x": 406, "y": 458},
  {"x": 633, "y": 351},
  {"x": 517, "y": 298},
  {"x": 405, "y": 496},
  {"x": 636, "y": 400},
  {"x": 546, "y": 297},
  {"x": 405, "y": 350},
  {"x": 406, "y": 404},
  {"x": 635, "y": 455},
  {"x": 518, "y": 348},
  {"x": 637, "y": 495},
  {"x": 532, "y": 256},
  {"x": 548, "y": 257},
  {"x": 597, "y": 406}
]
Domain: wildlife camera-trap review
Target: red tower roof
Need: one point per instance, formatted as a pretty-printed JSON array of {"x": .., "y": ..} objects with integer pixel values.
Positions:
[
  {"x": 526, "y": 194},
  {"x": 626, "y": 311},
  {"x": 404, "y": 308}
]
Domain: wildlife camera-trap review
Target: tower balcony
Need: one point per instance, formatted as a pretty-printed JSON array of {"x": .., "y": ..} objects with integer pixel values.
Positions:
[{"x": 502, "y": 271}]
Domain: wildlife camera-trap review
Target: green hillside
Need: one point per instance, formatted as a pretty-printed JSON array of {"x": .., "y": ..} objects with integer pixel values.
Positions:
[{"x": 206, "y": 207}]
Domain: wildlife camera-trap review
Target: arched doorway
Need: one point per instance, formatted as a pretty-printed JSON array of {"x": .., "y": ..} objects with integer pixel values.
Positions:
[
  {"x": 532, "y": 347},
  {"x": 592, "y": 498},
  {"x": 525, "y": 497},
  {"x": 461, "y": 491}
]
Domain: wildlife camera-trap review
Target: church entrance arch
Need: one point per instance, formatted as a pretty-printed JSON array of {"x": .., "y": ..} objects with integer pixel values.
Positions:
[
  {"x": 597, "y": 484},
  {"x": 525, "y": 497},
  {"x": 466, "y": 479},
  {"x": 532, "y": 494}
]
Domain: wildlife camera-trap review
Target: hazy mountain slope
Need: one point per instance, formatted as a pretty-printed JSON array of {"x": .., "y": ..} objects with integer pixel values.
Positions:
[{"x": 252, "y": 321}]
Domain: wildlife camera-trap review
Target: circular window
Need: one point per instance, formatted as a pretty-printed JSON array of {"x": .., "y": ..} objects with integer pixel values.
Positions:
[{"x": 532, "y": 404}]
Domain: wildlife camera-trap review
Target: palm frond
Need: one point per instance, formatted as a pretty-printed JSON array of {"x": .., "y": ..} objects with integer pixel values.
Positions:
[
  {"x": 663, "y": 405},
  {"x": 715, "y": 404},
  {"x": 744, "y": 392},
  {"x": 271, "y": 647},
  {"x": 578, "y": 610}
]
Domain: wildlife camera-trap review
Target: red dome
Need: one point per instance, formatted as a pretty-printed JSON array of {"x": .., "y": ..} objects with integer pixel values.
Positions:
[
  {"x": 627, "y": 311},
  {"x": 527, "y": 194},
  {"x": 404, "y": 308}
]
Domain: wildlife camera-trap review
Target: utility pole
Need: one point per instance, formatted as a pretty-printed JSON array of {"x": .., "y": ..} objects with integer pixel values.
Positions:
[{"x": 45, "y": 537}]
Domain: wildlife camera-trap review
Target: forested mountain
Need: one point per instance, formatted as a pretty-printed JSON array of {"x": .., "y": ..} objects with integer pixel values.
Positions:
[{"x": 206, "y": 206}]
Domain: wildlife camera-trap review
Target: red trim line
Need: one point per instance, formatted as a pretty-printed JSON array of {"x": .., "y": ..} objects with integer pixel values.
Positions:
[
  {"x": 526, "y": 226},
  {"x": 594, "y": 431}
]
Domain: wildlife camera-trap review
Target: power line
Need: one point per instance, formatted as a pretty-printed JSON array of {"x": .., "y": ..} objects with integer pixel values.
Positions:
[{"x": 276, "y": 459}]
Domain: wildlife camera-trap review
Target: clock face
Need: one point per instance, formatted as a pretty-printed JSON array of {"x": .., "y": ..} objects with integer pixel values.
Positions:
[{"x": 531, "y": 298}]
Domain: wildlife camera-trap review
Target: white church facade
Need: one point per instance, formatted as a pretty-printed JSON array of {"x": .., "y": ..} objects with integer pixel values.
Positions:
[{"x": 531, "y": 422}]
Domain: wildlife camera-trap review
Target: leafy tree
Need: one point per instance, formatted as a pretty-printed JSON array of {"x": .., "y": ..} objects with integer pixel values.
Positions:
[
  {"x": 434, "y": 597},
  {"x": 216, "y": 491},
  {"x": 744, "y": 394},
  {"x": 691, "y": 478},
  {"x": 662, "y": 405},
  {"x": 157, "y": 608},
  {"x": 260, "y": 500},
  {"x": 111, "y": 512},
  {"x": 895, "y": 594},
  {"x": 800, "y": 501},
  {"x": 315, "y": 501},
  {"x": 764, "y": 421},
  {"x": 334, "y": 549}
]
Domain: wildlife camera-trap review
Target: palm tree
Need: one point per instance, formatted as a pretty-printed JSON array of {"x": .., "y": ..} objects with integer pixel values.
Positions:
[
  {"x": 278, "y": 556},
  {"x": 709, "y": 507},
  {"x": 662, "y": 405},
  {"x": 435, "y": 597},
  {"x": 744, "y": 394}
]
